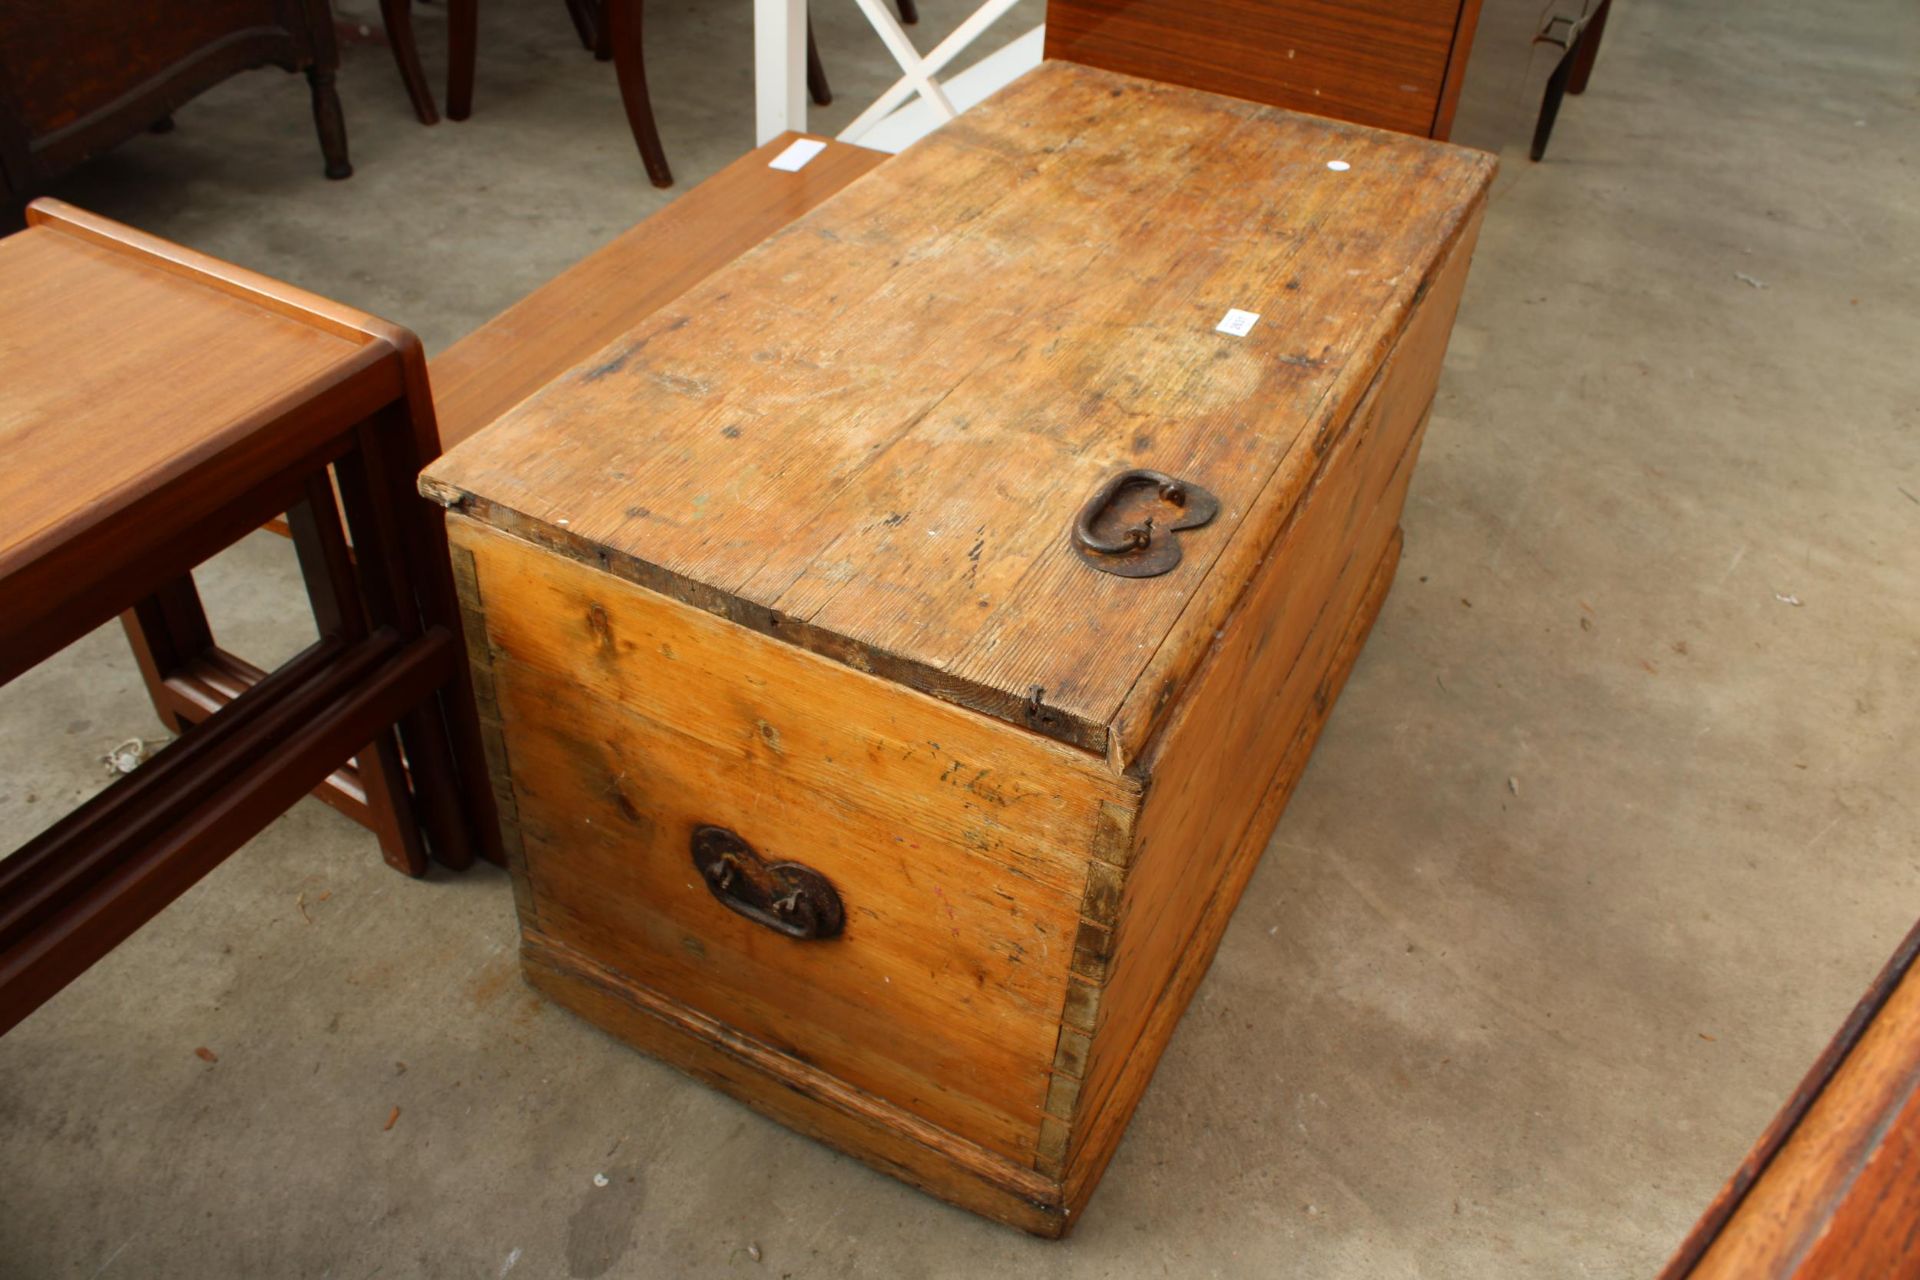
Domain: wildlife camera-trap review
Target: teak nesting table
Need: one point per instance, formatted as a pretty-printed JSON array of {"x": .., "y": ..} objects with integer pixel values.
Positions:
[
  {"x": 156, "y": 406},
  {"x": 895, "y": 652}
]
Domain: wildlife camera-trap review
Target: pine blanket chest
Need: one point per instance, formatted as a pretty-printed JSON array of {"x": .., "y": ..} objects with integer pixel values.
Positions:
[{"x": 896, "y": 652}]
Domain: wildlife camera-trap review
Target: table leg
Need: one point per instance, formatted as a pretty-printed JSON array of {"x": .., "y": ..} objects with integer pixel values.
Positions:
[
  {"x": 463, "y": 51},
  {"x": 166, "y": 631},
  {"x": 190, "y": 679},
  {"x": 817, "y": 87},
  {"x": 384, "y": 513},
  {"x": 326, "y": 565},
  {"x": 779, "y": 68},
  {"x": 424, "y": 542},
  {"x": 586, "y": 23}
]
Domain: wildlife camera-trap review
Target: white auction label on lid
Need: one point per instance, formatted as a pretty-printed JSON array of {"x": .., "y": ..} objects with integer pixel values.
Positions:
[
  {"x": 1238, "y": 323},
  {"x": 796, "y": 154}
]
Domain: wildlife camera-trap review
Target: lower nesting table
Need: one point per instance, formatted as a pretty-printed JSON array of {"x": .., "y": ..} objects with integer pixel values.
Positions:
[{"x": 159, "y": 405}]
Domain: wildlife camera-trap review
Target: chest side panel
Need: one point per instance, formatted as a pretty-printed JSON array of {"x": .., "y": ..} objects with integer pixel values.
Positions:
[
  {"x": 1236, "y": 744},
  {"x": 958, "y": 846}
]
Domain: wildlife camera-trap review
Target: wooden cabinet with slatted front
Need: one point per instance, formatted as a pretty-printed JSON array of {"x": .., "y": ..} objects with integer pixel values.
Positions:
[{"x": 897, "y": 650}]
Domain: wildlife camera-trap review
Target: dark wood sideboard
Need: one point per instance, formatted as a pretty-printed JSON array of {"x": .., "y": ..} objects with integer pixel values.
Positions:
[
  {"x": 79, "y": 76},
  {"x": 1391, "y": 64}
]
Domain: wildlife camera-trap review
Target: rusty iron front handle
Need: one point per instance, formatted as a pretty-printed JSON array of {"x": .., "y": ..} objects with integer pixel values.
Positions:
[
  {"x": 786, "y": 897},
  {"x": 1127, "y": 527}
]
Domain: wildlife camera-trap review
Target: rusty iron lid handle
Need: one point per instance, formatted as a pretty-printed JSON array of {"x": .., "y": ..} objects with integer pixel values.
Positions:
[
  {"x": 787, "y": 897},
  {"x": 1127, "y": 527}
]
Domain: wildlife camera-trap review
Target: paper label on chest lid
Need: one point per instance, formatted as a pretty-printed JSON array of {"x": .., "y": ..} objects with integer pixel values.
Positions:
[{"x": 871, "y": 434}]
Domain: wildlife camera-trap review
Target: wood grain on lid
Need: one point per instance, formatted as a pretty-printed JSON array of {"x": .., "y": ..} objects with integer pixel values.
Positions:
[{"x": 870, "y": 434}]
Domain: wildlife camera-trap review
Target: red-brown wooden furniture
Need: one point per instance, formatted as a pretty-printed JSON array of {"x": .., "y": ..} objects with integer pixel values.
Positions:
[
  {"x": 1392, "y": 64},
  {"x": 79, "y": 76},
  {"x": 1831, "y": 1191},
  {"x": 160, "y": 406}
]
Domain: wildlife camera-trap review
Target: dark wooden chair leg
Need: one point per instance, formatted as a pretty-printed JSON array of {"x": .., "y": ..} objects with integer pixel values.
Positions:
[
  {"x": 586, "y": 22},
  {"x": 629, "y": 63},
  {"x": 909, "y": 14},
  {"x": 397, "y": 15},
  {"x": 463, "y": 37},
  {"x": 1550, "y": 100},
  {"x": 331, "y": 124},
  {"x": 602, "y": 33},
  {"x": 817, "y": 86},
  {"x": 1589, "y": 48}
]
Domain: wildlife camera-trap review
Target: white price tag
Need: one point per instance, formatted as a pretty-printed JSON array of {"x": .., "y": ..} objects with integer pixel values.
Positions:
[
  {"x": 796, "y": 155},
  {"x": 1238, "y": 323}
]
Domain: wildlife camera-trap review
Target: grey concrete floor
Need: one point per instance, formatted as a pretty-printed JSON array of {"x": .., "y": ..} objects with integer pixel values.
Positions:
[{"x": 1614, "y": 822}]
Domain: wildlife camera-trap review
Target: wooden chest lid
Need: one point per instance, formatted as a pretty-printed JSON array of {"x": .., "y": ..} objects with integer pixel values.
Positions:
[{"x": 870, "y": 435}]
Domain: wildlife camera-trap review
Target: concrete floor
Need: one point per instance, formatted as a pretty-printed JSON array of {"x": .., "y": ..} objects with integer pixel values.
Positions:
[{"x": 1615, "y": 820}]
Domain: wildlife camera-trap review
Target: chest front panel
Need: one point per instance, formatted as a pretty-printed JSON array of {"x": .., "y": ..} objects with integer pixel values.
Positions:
[{"x": 957, "y": 846}]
